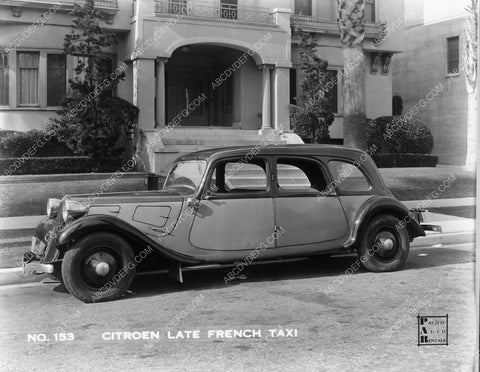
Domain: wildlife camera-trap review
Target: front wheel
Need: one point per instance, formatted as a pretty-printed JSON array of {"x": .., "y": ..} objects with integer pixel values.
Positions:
[
  {"x": 385, "y": 245},
  {"x": 98, "y": 268}
]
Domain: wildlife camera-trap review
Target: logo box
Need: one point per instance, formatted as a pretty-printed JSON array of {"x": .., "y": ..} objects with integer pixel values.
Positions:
[{"x": 432, "y": 329}]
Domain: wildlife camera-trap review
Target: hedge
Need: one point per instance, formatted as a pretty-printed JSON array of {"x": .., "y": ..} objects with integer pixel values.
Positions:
[
  {"x": 404, "y": 160},
  {"x": 395, "y": 134},
  {"x": 58, "y": 165},
  {"x": 15, "y": 144}
]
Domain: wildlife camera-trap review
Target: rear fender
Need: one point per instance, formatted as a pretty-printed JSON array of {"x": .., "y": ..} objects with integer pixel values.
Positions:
[{"x": 383, "y": 205}]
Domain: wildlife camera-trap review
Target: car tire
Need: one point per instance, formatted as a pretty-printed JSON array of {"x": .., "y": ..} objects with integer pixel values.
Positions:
[
  {"x": 384, "y": 245},
  {"x": 95, "y": 269}
]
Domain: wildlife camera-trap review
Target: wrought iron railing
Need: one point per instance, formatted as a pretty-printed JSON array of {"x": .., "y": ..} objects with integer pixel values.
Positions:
[
  {"x": 67, "y": 3},
  {"x": 309, "y": 20},
  {"x": 317, "y": 24},
  {"x": 214, "y": 9}
]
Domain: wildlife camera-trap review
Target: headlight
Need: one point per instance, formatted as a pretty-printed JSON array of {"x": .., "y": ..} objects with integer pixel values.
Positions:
[
  {"x": 72, "y": 210},
  {"x": 52, "y": 207}
]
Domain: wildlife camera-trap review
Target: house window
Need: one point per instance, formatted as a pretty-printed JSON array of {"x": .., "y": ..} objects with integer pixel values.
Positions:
[
  {"x": 4, "y": 80},
  {"x": 293, "y": 86},
  {"x": 28, "y": 78},
  {"x": 56, "y": 79},
  {"x": 303, "y": 7},
  {"x": 332, "y": 93},
  {"x": 452, "y": 55},
  {"x": 369, "y": 11}
]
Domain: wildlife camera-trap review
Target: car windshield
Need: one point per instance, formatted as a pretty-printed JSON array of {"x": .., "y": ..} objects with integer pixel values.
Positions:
[{"x": 186, "y": 174}]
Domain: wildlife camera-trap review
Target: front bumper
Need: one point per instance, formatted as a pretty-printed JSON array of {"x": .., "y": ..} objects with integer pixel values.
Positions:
[
  {"x": 35, "y": 267},
  {"x": 34, "y": 260}
]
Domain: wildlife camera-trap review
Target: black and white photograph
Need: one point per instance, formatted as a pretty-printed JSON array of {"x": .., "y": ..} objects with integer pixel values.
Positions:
[{"x": 239, "y": 185}]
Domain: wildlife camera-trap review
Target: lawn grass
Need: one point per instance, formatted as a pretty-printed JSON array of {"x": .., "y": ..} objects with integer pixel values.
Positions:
[{"x": 419, "y": 183}]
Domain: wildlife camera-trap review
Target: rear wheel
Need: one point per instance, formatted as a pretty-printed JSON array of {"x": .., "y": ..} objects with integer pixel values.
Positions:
[
  {"x": 97, "y": 268},
  {"x": 384, "y": 245}
]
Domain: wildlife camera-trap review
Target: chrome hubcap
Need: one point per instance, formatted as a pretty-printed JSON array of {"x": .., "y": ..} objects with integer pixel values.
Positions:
[
  {"x": 102, "y": 268},
  {"x": 386, "y": 244},
  {"x": 99, "y": 267}
]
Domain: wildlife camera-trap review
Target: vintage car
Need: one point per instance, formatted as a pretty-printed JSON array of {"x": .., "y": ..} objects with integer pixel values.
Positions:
[{"x": 219, "y": 206}]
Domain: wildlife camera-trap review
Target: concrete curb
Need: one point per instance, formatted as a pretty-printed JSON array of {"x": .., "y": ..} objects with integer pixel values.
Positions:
[{"x": 16, "y": 275}]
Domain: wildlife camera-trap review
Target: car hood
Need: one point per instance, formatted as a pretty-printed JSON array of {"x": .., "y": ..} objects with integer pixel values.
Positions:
[{"x": 98, "y": 198}]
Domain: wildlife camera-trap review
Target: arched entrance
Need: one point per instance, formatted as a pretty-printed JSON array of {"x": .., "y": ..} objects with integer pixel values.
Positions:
[{"x": 228, "y": 80}]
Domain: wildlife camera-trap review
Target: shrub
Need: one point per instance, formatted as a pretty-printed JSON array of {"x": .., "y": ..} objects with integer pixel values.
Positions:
[
  {"x": 311, "y": 114},
  {"x": 404, "y": 160},
  {"x": 38, "y": 143},
  {"x": 56, "y": 165},
  {"x": 395, "y": 134},
  {"x": 97, "y": 133}
]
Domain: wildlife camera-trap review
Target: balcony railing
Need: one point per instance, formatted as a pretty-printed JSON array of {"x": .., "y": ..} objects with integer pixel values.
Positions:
[
  {"x": 328, "y": 25},
  {"x": 309, "y": 20},
  {"x": 218, "y": 10},
  {"x": 107, "y": 4}
]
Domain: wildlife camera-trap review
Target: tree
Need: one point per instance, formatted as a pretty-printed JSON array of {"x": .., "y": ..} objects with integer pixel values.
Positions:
[
  {"x": 88, "y": 122},
  {"x": 471, "y": 68},
  {"x": 351, "y": 22},
  {"x": 311, "y": 115}
]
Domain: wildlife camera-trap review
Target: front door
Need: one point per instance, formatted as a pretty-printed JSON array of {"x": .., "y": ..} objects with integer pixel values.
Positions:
[
  {"x": 185, "y": 89},
  {"x": 239, "y": 215},
  {"x": 306, "y": 217}
]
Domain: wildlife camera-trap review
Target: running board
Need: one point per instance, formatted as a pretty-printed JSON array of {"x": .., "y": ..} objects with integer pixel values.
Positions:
[{"x": 175, "y": 269}]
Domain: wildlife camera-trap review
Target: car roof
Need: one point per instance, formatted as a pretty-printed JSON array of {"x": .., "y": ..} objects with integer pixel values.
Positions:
[{"x": 255, "y": 150}]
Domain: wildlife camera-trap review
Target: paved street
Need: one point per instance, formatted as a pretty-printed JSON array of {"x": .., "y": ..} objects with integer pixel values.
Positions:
[{"x": 367, "y": 321}]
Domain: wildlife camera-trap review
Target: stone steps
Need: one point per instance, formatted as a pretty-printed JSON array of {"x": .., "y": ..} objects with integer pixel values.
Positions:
[{"x": 180, "y": 141}]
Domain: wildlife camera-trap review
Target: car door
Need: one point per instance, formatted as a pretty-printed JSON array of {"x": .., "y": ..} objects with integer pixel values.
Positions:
[
  {"x": 239, "y": 214},
  {"x": 307, "y": 214}
]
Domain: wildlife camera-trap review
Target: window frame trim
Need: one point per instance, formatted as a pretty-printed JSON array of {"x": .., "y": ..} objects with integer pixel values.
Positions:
[{"x": 39, "y": 82}]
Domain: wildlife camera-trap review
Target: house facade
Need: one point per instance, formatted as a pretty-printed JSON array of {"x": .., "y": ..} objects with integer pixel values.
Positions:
[
  {"x": 203, "y": 73},
  {"x": 432, "y": 62}
]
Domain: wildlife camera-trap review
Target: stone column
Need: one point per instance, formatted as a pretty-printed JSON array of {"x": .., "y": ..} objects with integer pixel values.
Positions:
[
  {"x": 160, "y": 93},
  {"x": 266, "y": 98},
  {"x": 144, "y": 92},
  {"x": 281, "y": 98}
]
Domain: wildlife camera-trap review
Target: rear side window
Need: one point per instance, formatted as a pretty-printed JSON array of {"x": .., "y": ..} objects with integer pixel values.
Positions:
[{"x": 347, "y": 177}]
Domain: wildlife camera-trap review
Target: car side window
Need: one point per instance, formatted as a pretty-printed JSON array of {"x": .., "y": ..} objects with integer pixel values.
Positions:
[
  {"x": 348, "y": 177},
  {"x": 294, "y": 174},
  {"x": 239, "y": 176}
]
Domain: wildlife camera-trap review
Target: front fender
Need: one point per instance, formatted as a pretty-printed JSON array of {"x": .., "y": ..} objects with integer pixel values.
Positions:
[
  {"x": 88, "y": 224},
  {"x": 382, "y": 204}
]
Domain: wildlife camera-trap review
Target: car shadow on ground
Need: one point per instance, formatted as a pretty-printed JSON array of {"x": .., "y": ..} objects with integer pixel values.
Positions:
[{"x": 156, "y": 284}]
